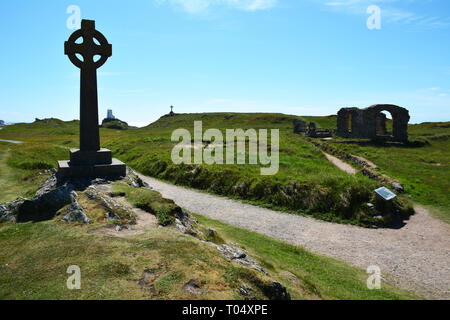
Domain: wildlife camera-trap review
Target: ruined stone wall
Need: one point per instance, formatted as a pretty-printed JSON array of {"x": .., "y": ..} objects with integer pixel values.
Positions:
[{"x": 370, "y": 123}]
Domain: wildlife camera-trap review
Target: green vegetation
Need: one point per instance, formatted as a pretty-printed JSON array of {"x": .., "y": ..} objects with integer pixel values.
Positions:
[
  {"x": 319, "y": 276},
  {"x": 158, "y": 263},
  {"x": 15, "y": 181},
  {"x": 307, "y": 183},
  {"x": 422, "y": 165},
  {"x": 32, "y": 267},
  {"x": 114, "y": 124},
  {"x": 151, "y": 201}
]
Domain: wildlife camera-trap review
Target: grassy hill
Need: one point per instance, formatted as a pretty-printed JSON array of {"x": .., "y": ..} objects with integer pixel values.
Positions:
[
  {"x": 156, "y": 265},
  {"x": 115, "y": 267},
  {"x": 307, "y": 183}
]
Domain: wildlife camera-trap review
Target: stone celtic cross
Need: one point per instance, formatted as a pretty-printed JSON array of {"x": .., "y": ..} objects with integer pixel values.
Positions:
[
  {"x": 88, "y": 49},
  {"x": 90, "y": 160}
]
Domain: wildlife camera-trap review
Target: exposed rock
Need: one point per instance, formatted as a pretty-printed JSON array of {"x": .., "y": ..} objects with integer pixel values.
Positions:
[
  {"x": 276, "y": 291},
  {"x": 243, "y": 292},
  {"x": 134, "y": 180},
  {"x": 111, "y": 206},
  {"x": 231, "y": 253},
  {"x": 55, "y": 194},
  {"x": 8, "y": 211},
  {"x": 239, "y": 256},
  {"x": 241, "y": 188},
  {"x": 116, "y": 194},
  {"x": 247, "y": 292},
  {"x": 76, "y": 212},
  {"x": 192, "y": 287},
  {"x": 114, "y": 124},
  {"x": 185, "y": 226},
  {"x": 110, "y": 216},
  {"x": 397, "y": 186},
  {"x": 184, "y": 222},
  {"x": 48, "y": 200},
  {"x": 146, "y": 281},
  {"x": 211, "y": 233},
  {"x": 179, "y": 225}
]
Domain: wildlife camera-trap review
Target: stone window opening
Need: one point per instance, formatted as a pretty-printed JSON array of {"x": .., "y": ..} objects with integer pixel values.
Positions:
[
  {"x": 349, "y": 122},
  {"x": 385, "y": 123}
]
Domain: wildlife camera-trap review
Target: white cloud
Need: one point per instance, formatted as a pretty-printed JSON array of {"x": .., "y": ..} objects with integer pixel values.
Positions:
[
  {"x": 202, "y": 6},
  {"x": 390, "y": 12}
]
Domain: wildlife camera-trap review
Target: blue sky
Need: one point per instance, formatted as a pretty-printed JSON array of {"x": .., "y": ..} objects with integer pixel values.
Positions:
[{"x": 305, "y": 57}]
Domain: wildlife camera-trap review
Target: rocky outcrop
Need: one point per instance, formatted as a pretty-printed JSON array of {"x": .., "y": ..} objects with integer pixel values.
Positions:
[
  {"x": 75, "y": 213},
  {"x": 134, "y": 180},
  {"x": 8, "y": 211},
  {"x": 239, "y": 256},
  {"x": 276, "y": 291},
  {"x": 54, "y": 195},
  {"x": 51, "y": 197},
  {"x": 114, "y": 124},
  {"x": 192, "y": 287}
]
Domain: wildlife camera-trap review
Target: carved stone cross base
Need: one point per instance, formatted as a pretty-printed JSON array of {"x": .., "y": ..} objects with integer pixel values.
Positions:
[
  {"x": 115, "y": 169},
  {"x": 91, "y": 164},
  {"x": 79, "y": 157}
]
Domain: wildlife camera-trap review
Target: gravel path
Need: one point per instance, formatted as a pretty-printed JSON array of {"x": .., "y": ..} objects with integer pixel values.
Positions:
[
  {"x": 415, "y": 257},
  {"x": 340, "y": 164}
]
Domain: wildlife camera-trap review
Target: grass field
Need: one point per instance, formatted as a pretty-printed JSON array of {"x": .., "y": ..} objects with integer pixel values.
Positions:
[
  {"x": 307, "y": 183},
  {"x": 33, "y": 267},
  {"x": 423, "y": 165}
]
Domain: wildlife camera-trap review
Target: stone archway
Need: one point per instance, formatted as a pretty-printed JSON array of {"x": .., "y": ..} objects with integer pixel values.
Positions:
[
  {"x": 370, "y": 123},
  {"x": 376, "y": 122},
  {"x": 382, "y": 124}
]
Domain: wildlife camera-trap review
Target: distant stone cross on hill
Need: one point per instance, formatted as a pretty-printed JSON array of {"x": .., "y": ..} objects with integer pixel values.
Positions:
[{"x": 88, "y": 49}]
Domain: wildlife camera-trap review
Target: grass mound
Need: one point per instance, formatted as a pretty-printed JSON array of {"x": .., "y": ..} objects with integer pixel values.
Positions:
[
  {"x": 151, "y": 201},
  {"x": 157, "y": 265}
]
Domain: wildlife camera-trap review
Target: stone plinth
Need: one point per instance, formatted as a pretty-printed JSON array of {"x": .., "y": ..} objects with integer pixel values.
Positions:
[
  {"x": 68, "y": 170},
  {"x": 90, "y": 164},
  {"x": 80, "y": 157}
]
